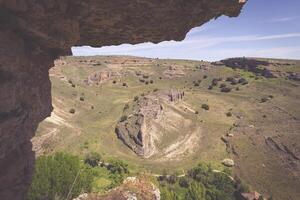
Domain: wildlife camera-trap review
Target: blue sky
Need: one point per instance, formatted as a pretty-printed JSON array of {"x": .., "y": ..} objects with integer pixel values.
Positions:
[{"x": 265, "y": 28}]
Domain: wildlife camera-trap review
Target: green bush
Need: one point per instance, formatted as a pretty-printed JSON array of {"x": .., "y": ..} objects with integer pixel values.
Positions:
[
  {"x": 81, "y": 98},
  {"x": 184, "y": 182},
  {"x": 196, "y": 192},
  {"x": 58, "y": 176}
]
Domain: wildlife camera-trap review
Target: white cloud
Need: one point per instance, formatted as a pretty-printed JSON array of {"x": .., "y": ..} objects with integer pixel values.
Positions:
[{"x": 283, "y": 19}]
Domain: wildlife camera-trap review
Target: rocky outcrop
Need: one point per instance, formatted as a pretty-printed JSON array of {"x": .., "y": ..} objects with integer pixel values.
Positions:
[
  {"x": 132, "y": 130},
  {"x": 136, "y": 129},
  {"x": 33, "y": 33},
  {"x": 100, "y": 77}
]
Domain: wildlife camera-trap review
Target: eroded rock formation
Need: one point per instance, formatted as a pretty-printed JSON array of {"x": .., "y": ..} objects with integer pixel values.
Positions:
[
  {"x": 33, "y": 33},
  {"x": 139, "y": 129}
]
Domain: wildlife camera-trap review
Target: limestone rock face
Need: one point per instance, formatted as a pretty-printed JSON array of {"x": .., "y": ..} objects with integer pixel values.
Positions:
[{"x": 33, "y": 33}]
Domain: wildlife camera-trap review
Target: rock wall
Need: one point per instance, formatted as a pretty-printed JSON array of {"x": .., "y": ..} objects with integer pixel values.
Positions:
[{"x": 33, "y": 33}]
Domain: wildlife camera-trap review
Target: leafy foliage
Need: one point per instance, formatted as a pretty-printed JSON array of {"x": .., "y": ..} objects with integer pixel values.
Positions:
[
  {"x": 58, "y": 176},
  {"x": 202, "y": 183}
]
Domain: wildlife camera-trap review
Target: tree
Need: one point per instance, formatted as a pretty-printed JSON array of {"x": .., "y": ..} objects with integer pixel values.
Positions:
[{"x": 59, "y": 176}]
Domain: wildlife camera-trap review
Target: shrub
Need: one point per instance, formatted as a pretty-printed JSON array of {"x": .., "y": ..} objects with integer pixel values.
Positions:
[
  {"x": 226, "y": 89},
  {"x": 184, "y": 182},
  {"x": 123, "y": 118},
  {"x": 229, "y": 114},
  {"x": 73, "y": 85},
  {"x": 214, "y": 82},
  {"x": 196, "y": 112},
  {"x": 222, "y": 85},
  {"x": 126, "y": 107},
  {"x": 81, "y": 98},
  {"x": 124, "y": 84},
  {"x": 151, "y": 81},
  {"x": 243, "y": 81},
  {"x": 136, "y": 98},
  {"x": 237, "y": 88},
  {"x": 92, "y": 159},
  {"x": 72, "y": 111},
  {"x": 205, "y": 106},
  {"x": 145, "y": 76},
  {"x": 196, "y": 192},
  {"x": 142, "y": 80},
  {"x": 118, "y": 167},
  {"x": 210, "y": 87},
  {"x": 114, "y": 81},
  {"x": 230, "y": 79},
  {"x": 196, "y": 84},
  {"x": 155, "y": 90},
  {"x": 146, "y": 82},
  {"x": 205, "y": 77},
  {"x": 264, "y": 99},
  {"x": 171, "y": 179}
]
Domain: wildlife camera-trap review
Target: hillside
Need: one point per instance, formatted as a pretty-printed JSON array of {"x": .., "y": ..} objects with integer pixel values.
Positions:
[{"x": 168, "y": 115}]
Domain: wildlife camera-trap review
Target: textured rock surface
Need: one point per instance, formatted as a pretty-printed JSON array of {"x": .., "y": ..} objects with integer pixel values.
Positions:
[
  {"x": 35, "y": 32},
  {"x": 138, "y": 130}
]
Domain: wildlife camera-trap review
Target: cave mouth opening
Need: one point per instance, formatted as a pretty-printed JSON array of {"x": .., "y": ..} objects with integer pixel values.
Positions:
[{"x": 33, "y": 34}]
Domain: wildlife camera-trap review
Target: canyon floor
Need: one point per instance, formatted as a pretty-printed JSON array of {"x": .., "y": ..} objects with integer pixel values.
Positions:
[{"x": 245, "y": 109}]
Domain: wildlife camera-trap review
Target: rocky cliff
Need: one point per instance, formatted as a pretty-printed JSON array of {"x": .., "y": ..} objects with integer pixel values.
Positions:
[{"x": 33, "y": 33}]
